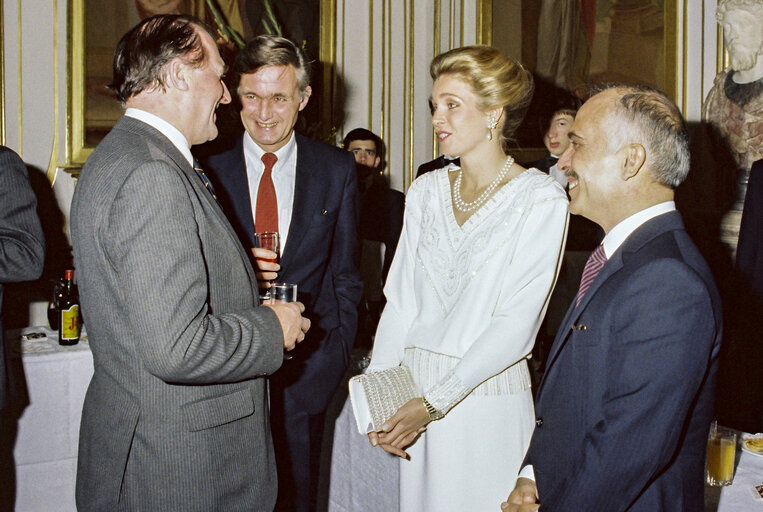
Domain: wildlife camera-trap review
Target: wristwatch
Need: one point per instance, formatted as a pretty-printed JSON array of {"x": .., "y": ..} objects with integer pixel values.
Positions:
[{"x": 434, "y": 414}]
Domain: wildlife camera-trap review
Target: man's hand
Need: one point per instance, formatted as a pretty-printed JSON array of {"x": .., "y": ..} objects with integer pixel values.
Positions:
[
  {"x": 524, "y": 497},
  {"x": 293, "y": 324},
  {"x": 266, "y": 266}
]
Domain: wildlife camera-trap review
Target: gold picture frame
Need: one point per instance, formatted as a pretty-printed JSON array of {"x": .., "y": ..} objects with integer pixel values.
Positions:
[
  {"x": 83, "y": 130},
  {"x": 489, "y": 14}
]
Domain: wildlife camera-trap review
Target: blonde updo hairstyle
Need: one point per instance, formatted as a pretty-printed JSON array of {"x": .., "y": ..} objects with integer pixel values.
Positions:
[{"x": 497, "y": 80}]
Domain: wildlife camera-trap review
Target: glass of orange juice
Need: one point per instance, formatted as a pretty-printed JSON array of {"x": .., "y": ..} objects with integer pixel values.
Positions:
[{"x": 721, "y": 452}]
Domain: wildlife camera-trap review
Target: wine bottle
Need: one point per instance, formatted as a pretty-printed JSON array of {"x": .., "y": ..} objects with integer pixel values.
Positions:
[{"x": 69, "y": 319}]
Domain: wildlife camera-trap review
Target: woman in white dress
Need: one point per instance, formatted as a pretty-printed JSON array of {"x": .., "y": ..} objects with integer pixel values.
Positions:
[{"x": 467, "y": 290}]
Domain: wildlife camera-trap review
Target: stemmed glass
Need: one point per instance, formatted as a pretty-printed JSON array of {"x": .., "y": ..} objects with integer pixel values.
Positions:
[{"x": 271, "y": 241}]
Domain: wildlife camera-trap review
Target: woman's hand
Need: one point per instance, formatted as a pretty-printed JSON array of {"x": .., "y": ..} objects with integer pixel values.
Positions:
[{"x": 402, "y": 428}]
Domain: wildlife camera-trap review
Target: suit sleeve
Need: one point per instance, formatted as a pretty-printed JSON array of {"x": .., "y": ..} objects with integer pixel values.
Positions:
[
  {"x": 22, "y": 245},
  {"x": 659, "y": 349},
  {"x": 348, "y": 284},
  {"x": 152, "y": 241}
]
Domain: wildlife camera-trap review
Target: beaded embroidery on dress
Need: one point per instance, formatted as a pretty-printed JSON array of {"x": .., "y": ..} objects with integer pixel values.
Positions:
[{"x": 452, "y": 256}]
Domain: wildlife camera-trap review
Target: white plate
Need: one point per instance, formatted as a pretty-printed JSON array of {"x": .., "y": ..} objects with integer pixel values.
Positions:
[{"x": 744, "y": 446}]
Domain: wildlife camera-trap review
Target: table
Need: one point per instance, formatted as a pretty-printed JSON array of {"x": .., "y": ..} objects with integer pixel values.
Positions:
[
  {"x": 45, "y": 450},
  {"x": 362, "y": 477},
  {"x": 737, "y": 496}
]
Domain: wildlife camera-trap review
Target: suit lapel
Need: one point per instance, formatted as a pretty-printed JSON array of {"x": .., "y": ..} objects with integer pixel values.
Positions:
[
  {"x": 644, "y": 233},
  {"x": 208, "y": 202},
  {"x": 242, "y": 202},
  {"x": 307, "y": 199}
]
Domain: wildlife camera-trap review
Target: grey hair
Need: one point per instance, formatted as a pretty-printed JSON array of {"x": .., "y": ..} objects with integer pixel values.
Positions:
[{"x": 645, "y": 116}]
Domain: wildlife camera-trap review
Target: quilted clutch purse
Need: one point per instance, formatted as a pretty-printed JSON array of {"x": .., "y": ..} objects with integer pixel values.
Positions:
[{"x": 376, "y": 396}]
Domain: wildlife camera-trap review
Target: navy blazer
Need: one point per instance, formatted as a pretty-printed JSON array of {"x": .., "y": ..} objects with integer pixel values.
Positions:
[
  {"x": 624, "y": 407},
  {"x": 750, "y": 245},
  {"x": 321, "y": 256}
]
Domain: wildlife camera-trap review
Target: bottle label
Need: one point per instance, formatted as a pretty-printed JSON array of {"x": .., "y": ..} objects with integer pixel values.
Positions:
[{"x": 70, "y": 323}]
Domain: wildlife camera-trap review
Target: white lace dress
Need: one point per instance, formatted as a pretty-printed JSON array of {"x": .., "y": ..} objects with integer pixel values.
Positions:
[{"x": 463, "y": 307}]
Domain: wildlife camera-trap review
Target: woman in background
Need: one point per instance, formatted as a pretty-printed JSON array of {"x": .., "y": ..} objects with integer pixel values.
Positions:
[{"x": 467, "y": 290}]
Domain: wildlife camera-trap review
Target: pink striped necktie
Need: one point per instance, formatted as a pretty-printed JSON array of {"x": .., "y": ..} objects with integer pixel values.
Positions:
[{"x": 593, "y": 265}]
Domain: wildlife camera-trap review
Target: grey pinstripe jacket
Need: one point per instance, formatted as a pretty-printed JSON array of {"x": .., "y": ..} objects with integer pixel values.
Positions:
[{"x": 175, "y": 417}]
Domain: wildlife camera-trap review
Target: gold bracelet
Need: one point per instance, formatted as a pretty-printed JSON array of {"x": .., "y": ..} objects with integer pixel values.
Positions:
[{"x": 434, "y": 414}]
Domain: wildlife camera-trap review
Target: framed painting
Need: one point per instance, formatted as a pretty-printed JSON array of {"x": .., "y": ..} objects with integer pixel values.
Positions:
[
  {"x": 572, "y": 44},
  {"x": 95, "y": 27}
]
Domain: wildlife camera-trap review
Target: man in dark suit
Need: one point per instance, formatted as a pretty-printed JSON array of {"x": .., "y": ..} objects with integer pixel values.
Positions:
[
  {"x": 275, "y": 179},
  {"x": 22, "y": 250},
  {"x": 623, "y": 410},
  {"x": 379, "y": 226},
  {"x": 22, "y": 245},
  {"x": 176, "y": 414}
]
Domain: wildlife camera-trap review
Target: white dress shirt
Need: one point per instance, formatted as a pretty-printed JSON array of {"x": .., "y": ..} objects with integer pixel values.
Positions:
[
  {"x": 612, "y": 241},
  {"x": 557, "y": 173},
  {"x": 178, "y": 139},
  {"x": 284, "y": 177}
]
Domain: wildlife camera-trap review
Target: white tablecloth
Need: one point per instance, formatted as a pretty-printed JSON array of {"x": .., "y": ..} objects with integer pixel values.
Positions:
[
  {"x": 45, "y": 452},
  {"x": 737, "y": 497},
  {"x": 362, "y": 477}
]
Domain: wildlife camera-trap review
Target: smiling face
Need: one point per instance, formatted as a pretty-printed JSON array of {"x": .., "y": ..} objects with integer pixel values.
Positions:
[
  {"x": 556, "y": 139},
  {"x": 270, "y": 104},
  {"x": 459, "y": 123},
  {"x": 592, "y": 167},
  {"x": 206, "y": 85}
]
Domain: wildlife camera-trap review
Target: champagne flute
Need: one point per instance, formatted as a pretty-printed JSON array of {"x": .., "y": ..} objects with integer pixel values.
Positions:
[
  {"x": 283, "y": 292},
  {"x": 271, "y": 241}
]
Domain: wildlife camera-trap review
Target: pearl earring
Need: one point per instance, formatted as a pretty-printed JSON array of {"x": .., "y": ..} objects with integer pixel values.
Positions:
[{"x": 491, "y": 123}]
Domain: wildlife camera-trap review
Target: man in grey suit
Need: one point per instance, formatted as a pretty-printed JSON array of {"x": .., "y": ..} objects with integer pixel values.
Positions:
[{"x": 176, "y": 415}]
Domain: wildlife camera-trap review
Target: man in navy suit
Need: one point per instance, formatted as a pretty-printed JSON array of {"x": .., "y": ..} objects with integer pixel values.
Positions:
[
  {"x": 316, "y": 209},
  {"x": 623, "y": 410}
]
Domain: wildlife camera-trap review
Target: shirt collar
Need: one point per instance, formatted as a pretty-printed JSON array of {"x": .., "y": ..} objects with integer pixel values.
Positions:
[
  {"x": 617, "y": 235},
  {"x": 283, "y": 154},
  {"x": 173, "y": 134}
]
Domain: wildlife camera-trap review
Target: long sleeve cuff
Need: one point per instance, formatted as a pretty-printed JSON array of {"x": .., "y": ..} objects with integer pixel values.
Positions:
[
  {"x": 527, "y": 472},
  {"x": 447, "y": 393}
]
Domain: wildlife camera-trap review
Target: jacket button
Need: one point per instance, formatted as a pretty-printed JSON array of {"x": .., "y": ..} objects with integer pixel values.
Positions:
[{"x": 539, "y": 422}]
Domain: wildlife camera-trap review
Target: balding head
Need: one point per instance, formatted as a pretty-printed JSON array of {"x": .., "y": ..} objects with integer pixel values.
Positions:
[{"x": 645, "y": 116}]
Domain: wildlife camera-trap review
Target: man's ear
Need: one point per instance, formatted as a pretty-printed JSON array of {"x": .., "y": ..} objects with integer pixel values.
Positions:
[
  {"x": 377, "y": 161},
  {"x": 634, "y": 159},
  {"x": 305, "y": 97},
  {"x": 176, "y": 74}
]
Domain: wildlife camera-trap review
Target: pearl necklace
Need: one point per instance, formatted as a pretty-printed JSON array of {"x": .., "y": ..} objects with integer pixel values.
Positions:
[{"x": 462, "y": 205}]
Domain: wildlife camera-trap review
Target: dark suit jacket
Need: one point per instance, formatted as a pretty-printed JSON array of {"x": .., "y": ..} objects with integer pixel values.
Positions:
[
  {"x": 438, "y": 163},
  {"x": 750, "y": 246},
  {"x": 543, "y": 164},
  {"x": 22, "y": 245},
  {"x": 321, "y": 256},
  {"x": 176, "y": 415},
  {"x": 381, "y": 218},
  {"x": 624, "y": 407}
]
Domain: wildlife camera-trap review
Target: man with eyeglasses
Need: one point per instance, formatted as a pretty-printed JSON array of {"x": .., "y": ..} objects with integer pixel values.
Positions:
[{"x": 381, "y": 220}]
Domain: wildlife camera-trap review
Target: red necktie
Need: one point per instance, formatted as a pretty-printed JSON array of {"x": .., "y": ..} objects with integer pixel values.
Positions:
[
  {"x": 593, "y": 265},
  {"x": 266, "y": 213}
]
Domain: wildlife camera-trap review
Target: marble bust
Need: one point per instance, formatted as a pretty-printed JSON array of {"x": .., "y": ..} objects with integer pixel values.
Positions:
[{"x": 734, "y": 105}]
